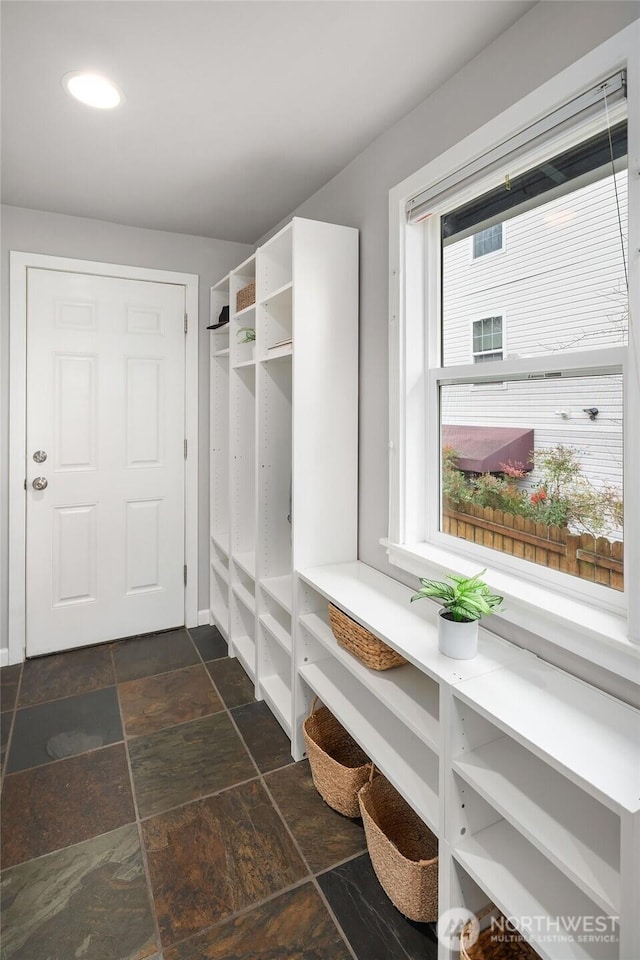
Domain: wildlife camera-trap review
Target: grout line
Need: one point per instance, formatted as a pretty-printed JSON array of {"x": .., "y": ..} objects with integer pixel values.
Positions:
[
  {"x": 143, "y": 851},
  {"x": 72, "y": 756},
  {"x": 341, "y": 863},
  {"x": 279, "y": 813},
  {"x": 69, "y": 846},
  {"x": 139, "y": 821},
  {"x": 115, "y": 682},
  {"x": 67, "y": 696},
  {"x": 242, "y": 912},
  {"x": 130, "y": 737},
  {"x": 187, "y": 803},
  {"x": 5, "y": 762}
]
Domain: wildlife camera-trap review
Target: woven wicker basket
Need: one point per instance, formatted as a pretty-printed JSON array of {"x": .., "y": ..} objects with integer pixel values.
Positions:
[
  {"x": 338, "y": 766},
  {"x": 489, "y": 947},
  {"x": 361, "y": 643},
  {"x": 246, "y": 296},
  {"x": 403, "y": 851}
]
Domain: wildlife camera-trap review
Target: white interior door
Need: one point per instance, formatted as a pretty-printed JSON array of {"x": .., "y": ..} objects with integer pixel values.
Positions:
[{"x": 105, "y": 405}]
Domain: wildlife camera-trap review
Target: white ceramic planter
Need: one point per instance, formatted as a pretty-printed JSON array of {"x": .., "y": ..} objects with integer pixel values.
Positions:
[{"x": 457, "y": 639}]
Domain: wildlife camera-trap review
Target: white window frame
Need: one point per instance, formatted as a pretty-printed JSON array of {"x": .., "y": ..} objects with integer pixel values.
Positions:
[
  {"x": 488, "y": 315},
  {"x": 593, "y": 622},
  {"x": 492, "y": 253}
]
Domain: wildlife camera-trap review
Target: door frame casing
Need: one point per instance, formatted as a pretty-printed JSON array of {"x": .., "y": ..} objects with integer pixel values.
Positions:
[{"x": 20, "y": 263}]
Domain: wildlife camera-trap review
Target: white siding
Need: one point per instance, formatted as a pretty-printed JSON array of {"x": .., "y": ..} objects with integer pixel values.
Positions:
[{"x": 559, "y": 285}]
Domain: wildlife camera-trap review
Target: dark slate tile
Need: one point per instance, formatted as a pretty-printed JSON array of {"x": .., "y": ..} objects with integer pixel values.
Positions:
[
  {"x": 210, "y": 642},
  {"x": 215, "y": 857},
  {"x": 373, "y": 926},
  {"x": 9, "y": 678},
  {"x": 158, "y": 653},
  {"x": 65, "y": 674},
  {"x": 53, "y": 806},
  {"x": 234, "y": 686},
  {"x": 5, "y": 730},
  {"x": 324, "y": 836},
  {"x": 186, "y": 762},
  {"x": 153, "y": 703},
  {"x": 293, "y": 926},
  {"x": 64, "y": 728},
  {"x": 267, "y": 742},
  {"x": 87, "y": 901}
]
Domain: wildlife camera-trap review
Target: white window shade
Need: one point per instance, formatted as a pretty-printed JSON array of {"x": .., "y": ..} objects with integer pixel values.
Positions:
[{"x": 588, "y": 104}]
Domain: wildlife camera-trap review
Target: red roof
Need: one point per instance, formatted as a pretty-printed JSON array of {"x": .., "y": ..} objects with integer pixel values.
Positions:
[{"x": 484, "y": 449}]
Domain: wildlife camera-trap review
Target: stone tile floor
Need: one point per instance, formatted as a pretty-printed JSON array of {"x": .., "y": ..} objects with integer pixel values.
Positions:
[{"x": 151, "y": 811}]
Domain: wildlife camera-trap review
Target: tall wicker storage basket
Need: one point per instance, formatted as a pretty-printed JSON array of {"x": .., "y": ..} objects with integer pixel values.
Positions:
[
  {"x": 338, "y": 766},
  {"x": 403, "y": 851}
]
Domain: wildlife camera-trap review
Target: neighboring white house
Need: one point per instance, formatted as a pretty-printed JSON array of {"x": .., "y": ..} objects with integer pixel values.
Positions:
[{"x": 549, "y": 280}]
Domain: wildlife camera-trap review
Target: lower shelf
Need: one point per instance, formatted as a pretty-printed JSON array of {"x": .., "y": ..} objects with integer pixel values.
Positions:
[
  {"x": 281, "y": 589},
  {"x": 523, "y": 884},
  {"x": 568, "y": 826},
  {"x": 222, "y": 626},
  {"x": 246, "y": 653},
  {"x": 278, "y": 695},
  {"x": 277, "y": 631},
  {"x": 406, "y": 762}
]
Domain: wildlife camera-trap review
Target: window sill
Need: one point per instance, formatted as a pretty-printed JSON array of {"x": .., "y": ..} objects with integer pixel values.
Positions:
[{"x": 596, "y": 635}]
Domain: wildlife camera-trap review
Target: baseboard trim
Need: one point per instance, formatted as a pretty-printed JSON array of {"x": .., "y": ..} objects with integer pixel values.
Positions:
[
  {"x": 203, "y": 618},
  {"x": 4, "y": 657}
]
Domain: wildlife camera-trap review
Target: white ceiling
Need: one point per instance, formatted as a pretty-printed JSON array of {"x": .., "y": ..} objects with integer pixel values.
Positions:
[{"x": 235, "y": 112}]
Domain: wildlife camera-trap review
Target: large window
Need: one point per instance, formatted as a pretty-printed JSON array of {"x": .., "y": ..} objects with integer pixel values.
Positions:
[{"x": 527, "y": 480}]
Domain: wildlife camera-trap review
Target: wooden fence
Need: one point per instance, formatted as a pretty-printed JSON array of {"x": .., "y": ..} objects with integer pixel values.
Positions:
[{"x": 596, "y": 559}]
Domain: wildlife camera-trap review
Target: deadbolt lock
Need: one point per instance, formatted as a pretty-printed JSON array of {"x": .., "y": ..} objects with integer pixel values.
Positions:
[{"x": 40, "y": 456}]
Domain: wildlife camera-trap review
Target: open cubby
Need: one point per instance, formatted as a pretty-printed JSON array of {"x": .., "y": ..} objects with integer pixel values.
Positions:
[
  {"x": 275, "y": 268},
  {"x": 244, "y": 589},
  {"x": 572, "y": 829},
  {"x": 219, "y": 594},
  {"x": 403, "y": 758},
  {"x": 276, "y": 315},
  {"x": 242, "y": 421},
  {"x": 520, "y": 880},
  {"x": 277, "y": 622},
  {"x": 274, "y": 469},
  {"x": 243, "y": 633},
  {"x": 275, "y": 678},
  {"x": 407, "y": 692}
]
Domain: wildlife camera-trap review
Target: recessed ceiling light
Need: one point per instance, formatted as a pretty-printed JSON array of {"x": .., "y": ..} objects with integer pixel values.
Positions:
[{"x": 92, "y": 89}]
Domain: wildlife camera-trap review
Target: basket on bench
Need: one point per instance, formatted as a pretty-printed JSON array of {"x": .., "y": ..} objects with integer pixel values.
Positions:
[{"x": 361, "y": 642}]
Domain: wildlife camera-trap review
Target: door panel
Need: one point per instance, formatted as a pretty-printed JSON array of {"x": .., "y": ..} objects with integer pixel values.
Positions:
[{"x": 105, "y": 401}]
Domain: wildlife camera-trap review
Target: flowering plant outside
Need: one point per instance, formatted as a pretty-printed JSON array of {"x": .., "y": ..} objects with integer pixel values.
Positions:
[{"x": 565, "y": 497}]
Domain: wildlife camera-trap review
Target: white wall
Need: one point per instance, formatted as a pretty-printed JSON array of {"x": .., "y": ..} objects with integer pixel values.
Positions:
[
  {"x": 541, "y": 44},
  {"x": 36, "y": 232}
]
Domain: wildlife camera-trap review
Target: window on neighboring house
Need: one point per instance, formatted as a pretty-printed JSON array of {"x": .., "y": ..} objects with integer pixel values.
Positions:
[
  {"x": 487, "y": 241},
  {"x": 487, "y": 339},
  {"x": 526, "y": 482}
]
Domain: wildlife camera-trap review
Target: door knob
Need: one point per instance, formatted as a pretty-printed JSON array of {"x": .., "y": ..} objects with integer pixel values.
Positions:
[{"x": 40, "y": 483}]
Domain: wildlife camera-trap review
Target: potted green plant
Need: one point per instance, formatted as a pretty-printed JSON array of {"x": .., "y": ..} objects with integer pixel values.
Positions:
[{"x": 465, "y": 601}]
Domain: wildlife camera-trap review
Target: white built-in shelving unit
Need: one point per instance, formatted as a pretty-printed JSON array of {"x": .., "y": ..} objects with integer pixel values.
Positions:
[
  {"x": 529, "y": 777},
  {"x": 283, "y": 441}
]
